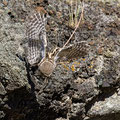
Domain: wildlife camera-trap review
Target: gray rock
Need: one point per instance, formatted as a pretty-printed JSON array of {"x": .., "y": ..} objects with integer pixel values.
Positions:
[
  {"x": 2, "y": 114},
  {"x": 109, "y": 107},
  {"x": 2, "y": 90},
  {"x": 86, "y": 93}
]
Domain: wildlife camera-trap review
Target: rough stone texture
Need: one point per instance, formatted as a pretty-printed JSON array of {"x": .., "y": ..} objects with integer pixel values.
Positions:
[
  {"x": 109, "y": 107},
  {"x": 91, "y": 92}
]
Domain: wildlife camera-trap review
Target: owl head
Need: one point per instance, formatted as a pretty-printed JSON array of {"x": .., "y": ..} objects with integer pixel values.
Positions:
[{"x": 47, "y": 66}]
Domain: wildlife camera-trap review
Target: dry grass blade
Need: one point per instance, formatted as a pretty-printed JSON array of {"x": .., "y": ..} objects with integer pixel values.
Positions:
[{"x": 81, "y": 17}]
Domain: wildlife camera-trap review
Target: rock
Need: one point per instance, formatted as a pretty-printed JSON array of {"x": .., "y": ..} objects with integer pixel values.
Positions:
[
  {"x": 2, "y": 90},
  {"x": 77, "y": 111},
  {"x": 2, "y": 114},
  {"x": 109, "y": 108},
  {"x": 88, "y": 92}
]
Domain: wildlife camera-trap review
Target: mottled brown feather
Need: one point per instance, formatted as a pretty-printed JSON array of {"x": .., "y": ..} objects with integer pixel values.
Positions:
[{"x": 76, "y": 50}]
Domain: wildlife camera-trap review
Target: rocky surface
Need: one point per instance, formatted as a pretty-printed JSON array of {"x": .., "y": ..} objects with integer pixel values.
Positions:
[{"x": 90, "y": 91}]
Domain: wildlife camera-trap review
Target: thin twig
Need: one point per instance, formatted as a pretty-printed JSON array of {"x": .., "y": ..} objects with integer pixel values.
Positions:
[{"x": 81, "y": 17}]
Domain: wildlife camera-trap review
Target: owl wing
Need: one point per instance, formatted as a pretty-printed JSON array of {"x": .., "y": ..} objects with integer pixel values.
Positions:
[
  {"x": 36, "y": 36},
  {"x": 77, "y": 50}
]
